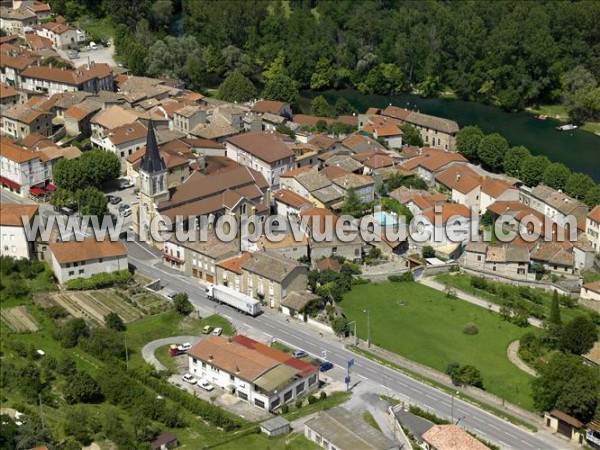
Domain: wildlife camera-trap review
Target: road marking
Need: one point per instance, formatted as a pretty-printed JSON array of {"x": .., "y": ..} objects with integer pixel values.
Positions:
[
  {"x": 430, "y": 396},
  {"x": 526, "y": 443},
  {"x": 503, "y": 444},
  {"x": 493, "y": 426}
]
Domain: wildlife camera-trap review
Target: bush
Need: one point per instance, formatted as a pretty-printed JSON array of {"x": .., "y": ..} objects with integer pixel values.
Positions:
[
  {"x": 285, "y": 408},
  {"x": 100, "y": 281},
  {"x": 56, "y": 312},
  {"x": 470, "y": 329},
  {"x": 405, "y": 277},
  {"x": 312, "y": 399},
  {"x": 340, "y": 326},
  {"x": 322, "y": 395},
  {"x": 464, "y": 375},
  {"x": 428, "y": 252},
  {"x": 299, "y": 403},
  {"x": 182, "y": 305},
  {"x": 479, "y": 283}
]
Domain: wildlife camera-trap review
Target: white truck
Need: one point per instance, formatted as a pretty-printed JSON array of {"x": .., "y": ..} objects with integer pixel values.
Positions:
[{"x": 233, "y": 298}]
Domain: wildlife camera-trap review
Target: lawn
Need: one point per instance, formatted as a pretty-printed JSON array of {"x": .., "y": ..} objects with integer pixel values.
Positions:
[{"x": 421, "y": 324}]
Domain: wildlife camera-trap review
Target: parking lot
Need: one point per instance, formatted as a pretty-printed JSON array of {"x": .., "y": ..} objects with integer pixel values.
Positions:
[
  {"x": 100, "y": 55},
  {"x": 127, "y": 196}
]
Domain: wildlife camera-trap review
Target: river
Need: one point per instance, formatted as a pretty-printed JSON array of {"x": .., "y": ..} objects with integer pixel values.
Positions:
[{"x": 578, "y": 150}]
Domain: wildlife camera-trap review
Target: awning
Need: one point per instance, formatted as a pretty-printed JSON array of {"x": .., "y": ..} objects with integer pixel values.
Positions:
[
  {"x": 36, "y": 191},
  {"x": 9, "y": 183},
  {"x": 50, "y": 187}
]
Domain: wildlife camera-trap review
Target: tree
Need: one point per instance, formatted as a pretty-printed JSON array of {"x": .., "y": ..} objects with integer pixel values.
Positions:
[
  {"x": 556, "y": 176},
  {"x": 566, "y": 381},
  {"x": 554, "y": 316},
  {"x": 182, "y": 305},
  {"x": 162, "y": 12},
  {"x": 66, "y": 366},
  {"x": 383, "y": 79},
  {"x": 342, "y": 107},
  {"x": 62, "y": 198},
  {"x": 553, "y": 324},
  {"x": 491, "y": 151},
  {"x": 276, "y": 68},
  {"x": 323, "y": 75},
  {"x": 82, "y": 388},
  {"x": 411, "y": 136},
  {"x": 513, "y": 160},
  {"x": 70, "y": 333},
  {"x": 321, "y": 126},
  {"x": 281, "y": 87},
  {"x": 320, "y": 107},
  {"x": 578, "y": 185},
  {"x": 32, "y": 433},
  {"x": 428, "y": 252},
  {"x": 468, "y": 140},
  {"x": 8, "y": 432},
  {"x": 532, "y": 170},
  {"x": 114, "y": 322},
  {"x": 579, "y": 335},
  {"x": 237, "y": 88},
  {"x": 352, "y": 204},
  {"x": 592, "y": 198},
  {"x": 92, "y": 202},
  {"x": 340, "y": 326},
  {"x": 100, "y": 166}
]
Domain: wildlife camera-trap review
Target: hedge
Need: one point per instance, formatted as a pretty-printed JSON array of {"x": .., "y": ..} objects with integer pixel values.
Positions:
[
  {"x": 406, "y": 276},
  {"x": 99, "y": 281}
]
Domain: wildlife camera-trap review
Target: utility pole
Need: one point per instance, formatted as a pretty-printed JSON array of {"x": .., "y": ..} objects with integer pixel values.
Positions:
[
  {"x": 368, "y": 312},
  {"x": 355, "y": 335}
]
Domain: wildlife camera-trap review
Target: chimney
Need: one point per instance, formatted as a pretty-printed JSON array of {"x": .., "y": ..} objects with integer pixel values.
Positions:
[
  {"x": 201, "y": 161},
  {"x": 457, "y": 176},
  {"x": 210, "y": 357}
]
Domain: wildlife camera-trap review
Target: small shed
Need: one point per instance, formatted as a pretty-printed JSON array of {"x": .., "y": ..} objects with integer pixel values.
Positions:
[
  {"x": 564, "y": 424},
  {"x": 295, "y": 302},
  {"x": 164, "y": 441},
  {"x": 275, "y": 426}
]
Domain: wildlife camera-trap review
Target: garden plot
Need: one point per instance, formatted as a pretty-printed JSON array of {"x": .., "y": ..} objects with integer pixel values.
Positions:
[
  {"x": 19, "y": 320},
  {"x": 94, "y": 305}
]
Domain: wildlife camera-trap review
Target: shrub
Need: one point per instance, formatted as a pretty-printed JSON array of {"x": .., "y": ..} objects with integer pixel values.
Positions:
[
  {"x": 56, "y": 312},
  {"x": 299, "y": 403},
  {"x": 428, "y": 252},
  {"x": 285, "y": 408},
  {"x": 405, "y": 277},
  {"x": 312, "y": 399},
  {"x": 479, "y": 283},
  {"x": 340, "y": 326},
  {"x": 99, "y": 281},
  {"x": 470, "y": 329},
  {"x": 322, "y": 395}
]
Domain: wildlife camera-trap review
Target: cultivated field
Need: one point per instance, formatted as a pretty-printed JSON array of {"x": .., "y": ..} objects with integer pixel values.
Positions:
[
  {"x": 94, "y": 305},
  {"x": 18, "y": 320}
]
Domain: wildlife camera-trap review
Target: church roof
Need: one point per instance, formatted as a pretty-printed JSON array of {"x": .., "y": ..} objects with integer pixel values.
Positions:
[{"x": 152, "y": 161}]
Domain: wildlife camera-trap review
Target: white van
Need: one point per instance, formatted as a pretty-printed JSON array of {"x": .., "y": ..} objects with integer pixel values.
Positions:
[{"x": 93, "y": 46}]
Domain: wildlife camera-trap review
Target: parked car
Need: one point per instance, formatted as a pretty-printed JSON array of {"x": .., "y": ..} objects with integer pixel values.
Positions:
[
  {"x": 124, "y": 183},
  {"x": 93, "y": 46},
  {"x": 175, "y": 350},
  {"x": 204, "y": 384},
  {"x": 189, "y": 378},
  {"x": 123, "y": 207},
  {"x": 73, "y": 54},
  {"x": 207, "y": 329},
  {"x": 217, "y": 331},
  {"x": 114, "y": 199},
  {"x": 105, "y": 42},
  {"x": 170, "y": 294},
  {"x": 186, "y": 346},
  {"x": 325, "y": 366},
  {"x": 299, "y": 354},
  {"x": 127, "y": 213}
]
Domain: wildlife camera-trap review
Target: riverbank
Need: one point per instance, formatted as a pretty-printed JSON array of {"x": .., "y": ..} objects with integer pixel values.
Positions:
[
  {"x": 579, "y": 150},
  {"x": 559, "y": 112}
]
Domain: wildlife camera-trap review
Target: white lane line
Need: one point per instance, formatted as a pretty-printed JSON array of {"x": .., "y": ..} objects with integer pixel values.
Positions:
[
  {"x": 504, "y": 444},
  {"x": 526, "y": 443},
  {"x": 493, "y": 426},
  {"x": 430, "y": 396}
]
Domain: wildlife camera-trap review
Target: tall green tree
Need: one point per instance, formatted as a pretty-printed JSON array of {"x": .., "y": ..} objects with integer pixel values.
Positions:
[
  {"x": 592, "y": 198},
  {"x": 578, "y": 185},
  {"x": 579, "y": 335},
  {"x": 237, "y": 88},
  {"x": 82, "y": 388},
  {"x": 92, "y": 202},
  {"x": 324, "y": 75},
  {"x": 468, "y": 140},
  {"x": 352, "y": 204},
  {"x": 113, "y": 321},
  {"x": 182, "y": 304},
  {"x": 320, "y": 107},
  {"x": 513, "y": 160},
  {"x": 532, "y": 170},
  {"x": 281, "y": 87},
  {"x": 556, "y": 176},
  {"x": 343, "y": 107},
  {"x": 491, "y": 151},
  {"x": 411, "y": 136}
]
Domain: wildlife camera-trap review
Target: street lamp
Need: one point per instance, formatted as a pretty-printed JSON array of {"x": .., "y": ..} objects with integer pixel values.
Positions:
[
  {"x": 452, "y": 408},
  {"x": 355, "y": 336},
  {"x": 368, "y": 312}
]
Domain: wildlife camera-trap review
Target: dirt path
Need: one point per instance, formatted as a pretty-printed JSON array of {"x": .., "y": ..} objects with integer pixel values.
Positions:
[{"x": 513, "y": 356}]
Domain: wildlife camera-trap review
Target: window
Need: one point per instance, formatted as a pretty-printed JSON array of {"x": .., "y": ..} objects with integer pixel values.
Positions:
[
  {"x": 275, "y": 403},
  {"x": 203, "y": 365},
  {"x": 333, "y": 250},
  {"x": 478, "y": 257},
  {"x": 259, "y": 403},
  {"x": 231, "y": 378},
  {"x": 299, "y": 388},
  {"x": 81, "y": 271},
  {"x": 312, "y": 380},
  {"x": 194, "y": 360},
  {"x": 287, "y": 396},
  {"x": 71, "y": 273},
  {"x": 242, "y": 395}
]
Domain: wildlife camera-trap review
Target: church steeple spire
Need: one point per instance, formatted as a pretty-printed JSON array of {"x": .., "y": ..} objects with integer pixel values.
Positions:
[{"x": 152, "y": 161}]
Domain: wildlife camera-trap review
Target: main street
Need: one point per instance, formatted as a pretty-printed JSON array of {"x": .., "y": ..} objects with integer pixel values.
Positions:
[{"x": 302, "y": 336}]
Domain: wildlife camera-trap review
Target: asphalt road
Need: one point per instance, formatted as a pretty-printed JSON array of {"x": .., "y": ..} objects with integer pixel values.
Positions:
[{"x": 301, "y": 336}]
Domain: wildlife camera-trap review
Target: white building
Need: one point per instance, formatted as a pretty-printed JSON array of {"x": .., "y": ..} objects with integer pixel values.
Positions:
[
  {"x": 125, "y": 140},
  {"x": 23, "y": 169},
  {"x": 12, "y": 232},
  {"x": 83, "y": 259},
  {"x": 493, "y": 189},
  {"x": 444, "y": 224},
  {"x": 186, "y": 118},
  {"x": 93, "y": 78},
  {"x": 61, "y": 35},
  {"x": 266, "y": 153},
  {"x": 15, "y": 21},
  {"x": 592, "y": 228},
  {"x": 252, "y": 371},
  {"x": 591, "y": 291}
]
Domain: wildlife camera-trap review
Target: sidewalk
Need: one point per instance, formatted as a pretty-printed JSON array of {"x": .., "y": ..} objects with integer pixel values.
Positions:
[{"x": 477, "y": 301}]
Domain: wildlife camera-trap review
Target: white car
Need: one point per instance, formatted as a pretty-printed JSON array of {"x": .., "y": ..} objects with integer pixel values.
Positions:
[
  {"x": 204, "y": 384},
  {"x": 217, "y": 331},
  {"x": 189, "y": 378},
  {"x": 186, "y": 346}
]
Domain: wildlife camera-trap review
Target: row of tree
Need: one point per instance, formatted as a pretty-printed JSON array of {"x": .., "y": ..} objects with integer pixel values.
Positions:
[
  {"x": 509, "y": 53},
  {"x": 495, "y": 154}
]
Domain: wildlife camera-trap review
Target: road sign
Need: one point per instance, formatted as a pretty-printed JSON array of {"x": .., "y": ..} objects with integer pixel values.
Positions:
[
  {"x": 347, "y": 380},
  {"x": 350, "y": 362}
]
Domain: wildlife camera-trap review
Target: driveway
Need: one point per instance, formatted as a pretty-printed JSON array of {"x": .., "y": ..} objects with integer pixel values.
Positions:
[
  {"x": 101, "y": 55},
  {"x": 150, "y": 348}
]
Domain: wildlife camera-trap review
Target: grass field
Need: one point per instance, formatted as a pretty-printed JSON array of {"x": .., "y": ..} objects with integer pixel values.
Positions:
[{"x": 421, "y": 324}]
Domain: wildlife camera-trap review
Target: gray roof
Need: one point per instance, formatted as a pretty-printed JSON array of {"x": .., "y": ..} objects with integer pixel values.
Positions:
[
  {"x": 275, "y": 423},
  {"x": 297, "y": 300},
  {"x": 558, "y": 200},
  {"x": 328, "y": 194},
  {"x": 345, "y": 162},
  {"x": 271, "y": 266},
  {"x": 415, "y": 424},
  {"x": 313, "y": 180},
  {"x": 152, "y": 162},
  {"x": 345, "y": 430},
  {"x": 436, "y": 123}
]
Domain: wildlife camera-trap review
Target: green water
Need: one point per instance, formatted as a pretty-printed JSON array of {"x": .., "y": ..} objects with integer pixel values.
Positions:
[{"x": 578, "y": 150}]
